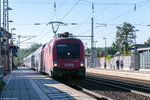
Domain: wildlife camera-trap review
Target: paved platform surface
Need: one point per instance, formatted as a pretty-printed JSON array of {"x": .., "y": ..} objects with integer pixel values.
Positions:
[
  {"x": 141, "y": 75},
  {"x": 25, "y": 84}
]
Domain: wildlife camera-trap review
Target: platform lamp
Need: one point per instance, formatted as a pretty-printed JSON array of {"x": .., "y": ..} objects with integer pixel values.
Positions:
[
  {"x": 95, "y": 43},
  {"x": 135, "y": 51},
  {"x": 105, "y": 64},
  {"x": 11, "y": 44}
]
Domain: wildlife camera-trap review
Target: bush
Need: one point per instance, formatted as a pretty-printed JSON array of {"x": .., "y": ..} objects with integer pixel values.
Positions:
[{"x": 2, "y": 84}]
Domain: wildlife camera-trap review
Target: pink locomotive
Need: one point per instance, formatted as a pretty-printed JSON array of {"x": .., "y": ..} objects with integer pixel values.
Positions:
[{"x": 62, "y": 57}]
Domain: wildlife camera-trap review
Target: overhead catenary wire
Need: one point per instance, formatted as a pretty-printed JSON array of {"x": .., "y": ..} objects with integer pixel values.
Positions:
[
  {"x": 110, "y": 20},
  {"x": 44, "y": 35},
  {"x": 87, "y": 3},
  {"x": 83, "y": 22},
  {"x": 70, "y": 10},
  {"x": 56, "y": 10},
  {"x": 92, "y": 13},
  {"x": 129, "y": 11}
]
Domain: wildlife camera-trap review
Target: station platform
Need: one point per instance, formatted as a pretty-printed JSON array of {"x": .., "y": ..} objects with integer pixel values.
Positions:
[
  {"x": 135, "y": 74},
  {"x": 26, "y": 84}
]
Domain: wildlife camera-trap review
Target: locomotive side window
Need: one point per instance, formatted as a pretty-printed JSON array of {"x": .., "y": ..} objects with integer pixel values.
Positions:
[{"x": 70, "y": 50}]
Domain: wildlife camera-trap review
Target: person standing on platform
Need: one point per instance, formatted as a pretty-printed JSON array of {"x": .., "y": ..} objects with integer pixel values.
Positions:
[
  {"x": 105, "y": 64},
  {"x": 121, "y": 64},
  {"x": 117, "y": 63}
]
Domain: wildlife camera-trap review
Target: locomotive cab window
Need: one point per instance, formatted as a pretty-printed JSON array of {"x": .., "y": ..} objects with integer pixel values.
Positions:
[{"x": 70, "y": 50}]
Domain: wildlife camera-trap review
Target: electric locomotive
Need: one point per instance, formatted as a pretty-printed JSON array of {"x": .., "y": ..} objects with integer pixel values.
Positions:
[{"x": 64, "y": 57}]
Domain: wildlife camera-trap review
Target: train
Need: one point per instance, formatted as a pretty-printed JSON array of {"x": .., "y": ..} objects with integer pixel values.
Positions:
[{"x": 61, "y": 57}]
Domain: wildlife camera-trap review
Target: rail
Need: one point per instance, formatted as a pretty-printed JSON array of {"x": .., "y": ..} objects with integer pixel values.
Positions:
[
  {"x": 90, "y": 93},
  {"x": 128, "y": 87}
]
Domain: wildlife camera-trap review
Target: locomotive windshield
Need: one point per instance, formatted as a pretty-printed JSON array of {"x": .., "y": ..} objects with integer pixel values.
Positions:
[{"x": 70, "y": 50}]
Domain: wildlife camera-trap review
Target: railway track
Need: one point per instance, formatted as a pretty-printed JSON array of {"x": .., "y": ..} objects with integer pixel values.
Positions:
[
  {"x": 134, "y": 88},
  {"x": 138, "y": 89},
  {"x": 115, "y": 90},
  {"x": 90, "y": 93},
  {"x": 122, "y": 79}
]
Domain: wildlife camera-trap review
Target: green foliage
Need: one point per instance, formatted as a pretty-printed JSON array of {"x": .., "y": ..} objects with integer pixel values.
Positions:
[
  {"x": 115, "y": 46},
  {"x": 148, "y": 41},
  {"x": 2, "y": 84},
  {"x": 97, "y": 51},
  {"x": 111, "y": 50},
  {"x": 108, "y": 57},
  {"x": 126, "y": 53},
  {"x": 25, "y": 52},
  {"x": 101, "y": 51},
  {"x": 124, "y": 38}
]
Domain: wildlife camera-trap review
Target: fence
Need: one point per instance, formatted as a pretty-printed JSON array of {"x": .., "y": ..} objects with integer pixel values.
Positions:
[
  {"x": 111, "y": 64},
  {"x": 88, "y": 62}
]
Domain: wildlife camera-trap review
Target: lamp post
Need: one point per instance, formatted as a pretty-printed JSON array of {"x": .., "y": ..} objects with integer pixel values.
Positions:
[
  {"x": 11, "y": 44},
  {"x": 19, "y": 49},
  {"x": 95, "y": 43},
  {"x": 135, "y": 53},
  {"x": 105, "y": 64},
  {"x": 135, "y": 35}
]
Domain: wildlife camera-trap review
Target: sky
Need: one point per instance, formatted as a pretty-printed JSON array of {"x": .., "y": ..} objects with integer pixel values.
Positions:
[{"x": 107, "y": 15}]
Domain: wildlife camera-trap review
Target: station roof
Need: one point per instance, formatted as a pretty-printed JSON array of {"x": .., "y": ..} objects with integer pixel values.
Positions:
[
  {"x": 144, "y": 49},
  {"x": 139, "y": 46}
]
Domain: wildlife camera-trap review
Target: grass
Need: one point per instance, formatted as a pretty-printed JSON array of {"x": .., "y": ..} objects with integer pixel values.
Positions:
[{"x": 2, "y": 84}]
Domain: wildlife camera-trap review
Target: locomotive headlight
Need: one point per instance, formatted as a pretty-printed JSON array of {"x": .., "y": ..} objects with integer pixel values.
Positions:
[
  {"x": 55, "y": 64},
  {"x": 82, "y": 63}
]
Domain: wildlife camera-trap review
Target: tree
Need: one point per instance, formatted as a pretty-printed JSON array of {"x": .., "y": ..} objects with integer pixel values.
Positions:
[
  {"x": 124, "y": 37},
  {"x": 97, "y": 51},
  {"x": 115, "y": 46},
  {"x": 111, "y": 51},
  {"x": 148, "y": 41}
]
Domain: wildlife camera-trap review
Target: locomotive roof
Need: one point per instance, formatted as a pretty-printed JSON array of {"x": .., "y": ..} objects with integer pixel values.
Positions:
[{"x": 63, "y": 38}]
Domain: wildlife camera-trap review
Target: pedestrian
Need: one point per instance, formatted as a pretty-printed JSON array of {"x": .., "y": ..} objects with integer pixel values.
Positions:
[
  {"x": 121, "y": 64},
  {"x": 117, "y": 63},
  {"x": 105, "y": 64}
]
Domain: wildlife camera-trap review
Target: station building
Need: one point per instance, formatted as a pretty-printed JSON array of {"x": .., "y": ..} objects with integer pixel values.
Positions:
[
  {"x": 144, "y": 58},
  {"x": 140, "y": 57}
]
